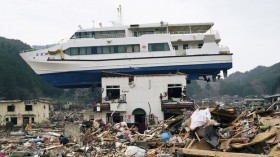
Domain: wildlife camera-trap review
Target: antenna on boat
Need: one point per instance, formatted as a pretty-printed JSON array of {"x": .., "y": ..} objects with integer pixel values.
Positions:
[
  {"x": 92, "y": 23},
  {"x": 120, "y": 14},
  {"x": 80, "y": 27}
]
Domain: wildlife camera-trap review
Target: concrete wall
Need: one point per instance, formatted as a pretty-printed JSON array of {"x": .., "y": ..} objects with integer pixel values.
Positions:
[{"x": 40, "y": 111}]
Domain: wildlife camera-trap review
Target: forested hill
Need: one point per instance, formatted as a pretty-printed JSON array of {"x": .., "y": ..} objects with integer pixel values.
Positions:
[
  {"x": 17, "y": 80},
  {"x": 259, "y": 81},
  {"x": 256, "y": 82}
]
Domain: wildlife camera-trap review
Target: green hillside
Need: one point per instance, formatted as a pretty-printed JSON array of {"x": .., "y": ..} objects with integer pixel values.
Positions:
[
  {"x": 258, "y": 81},
  {"x": 17, "y": 80}
]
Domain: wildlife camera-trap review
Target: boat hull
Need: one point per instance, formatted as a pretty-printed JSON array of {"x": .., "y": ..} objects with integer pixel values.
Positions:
[
  {"x": 76, "y": 73},
  {"x": 87, "y": 78}
]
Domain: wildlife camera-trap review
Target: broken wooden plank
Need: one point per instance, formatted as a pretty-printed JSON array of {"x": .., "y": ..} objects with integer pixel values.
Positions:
[
  {"x": 202, "y": 145},
  {"x": 258, "y": 138},
  {"x": 235, "y": 140},
  {"x": 275, "y": 151},
  {"x": 209, "y": 153}
]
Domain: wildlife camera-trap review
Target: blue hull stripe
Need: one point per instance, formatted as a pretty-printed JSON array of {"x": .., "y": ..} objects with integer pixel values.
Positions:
[{"x": 87, "y": 78}]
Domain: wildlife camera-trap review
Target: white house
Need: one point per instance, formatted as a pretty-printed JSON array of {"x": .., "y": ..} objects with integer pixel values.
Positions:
[
  {"x": 133, "y": 98},
  {"x": 23, "y": 112}
]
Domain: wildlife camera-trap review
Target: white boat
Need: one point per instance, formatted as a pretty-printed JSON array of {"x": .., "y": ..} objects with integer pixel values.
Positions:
[{"x": 159, "y": 48}]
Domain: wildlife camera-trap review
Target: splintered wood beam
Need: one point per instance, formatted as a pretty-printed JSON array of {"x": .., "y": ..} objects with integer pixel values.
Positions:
[{"x": 209, "y": 153}]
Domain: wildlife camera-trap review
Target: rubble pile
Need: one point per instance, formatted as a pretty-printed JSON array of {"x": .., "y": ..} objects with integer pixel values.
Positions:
[
  {"x": 203, "y": 132},
  {"x": 70, "y": 116}
]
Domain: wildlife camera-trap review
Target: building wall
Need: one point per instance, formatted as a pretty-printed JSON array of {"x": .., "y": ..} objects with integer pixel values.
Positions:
[
  {"x": 39, "y": 112},
  {"x": 144, "y": 91}
]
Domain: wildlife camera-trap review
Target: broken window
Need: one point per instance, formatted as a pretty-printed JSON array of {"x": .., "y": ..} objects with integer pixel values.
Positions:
[
  {"x": 28, "y": 107},
  {"x": 174, "y": 91},
  {"x": 115, "y": 118},
  {"x": 11, "y": 108},
  {"x": 112, "y": 92}
]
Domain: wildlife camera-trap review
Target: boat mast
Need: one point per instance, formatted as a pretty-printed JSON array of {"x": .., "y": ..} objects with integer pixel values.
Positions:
[{"x": 120, "y": 14}]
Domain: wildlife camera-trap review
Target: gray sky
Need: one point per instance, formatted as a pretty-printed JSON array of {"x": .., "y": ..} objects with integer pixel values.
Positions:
[{"x": 249, "y": 27}]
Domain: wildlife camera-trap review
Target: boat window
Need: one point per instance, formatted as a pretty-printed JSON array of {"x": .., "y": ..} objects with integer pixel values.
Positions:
[
  {"x": 119, "y": 49},
  {"x": 100, "y": 34},
  {"x": 99, "y": 50},
  {"x": 67, "y": 51},
  {"x": 185, "y": 46},
  {"x": 74, "y": 51},
  {"x": 136, "y": 48},
  {"x": 102, "y": 50},
  {"x": 83, "y": 34},
  {"x": 90, "y": 34},
  {"x": 200, "y": 45},
  {"x": 158, "y": 47},
  {"x": 97, "y": 35},
  {"x": 83, "y": 51},
  {"x": 129, "y": 48},
  {"x": 93, "y": 50},
  {"x": 146, "y": 32},
  {"x": 106, "y": 49}
]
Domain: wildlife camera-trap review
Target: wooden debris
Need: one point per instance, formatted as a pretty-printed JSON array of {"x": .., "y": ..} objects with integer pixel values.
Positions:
[
  {"x": 259, "y": 138},
  {"x": 209, "y": 153}
]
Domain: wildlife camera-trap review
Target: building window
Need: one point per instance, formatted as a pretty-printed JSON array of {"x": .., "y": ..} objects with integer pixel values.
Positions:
[
  {"x": 200, "y": 46},
  {"x": 11, "y": 108},
  {"x": 185, "y": 46},
  {"x": 115, "y": 118},
  {"x": 158, "y": 47},
  {"x": 28, "y": 107},
  {"x": 175, "y": 47},
  {"x": 174, "y": 91},
  {"x": 32, "y": 120},
  {"x": 112, "y": 92}
]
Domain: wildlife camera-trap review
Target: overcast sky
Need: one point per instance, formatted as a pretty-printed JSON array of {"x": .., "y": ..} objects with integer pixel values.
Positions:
[{"x": 251, "y": 28}]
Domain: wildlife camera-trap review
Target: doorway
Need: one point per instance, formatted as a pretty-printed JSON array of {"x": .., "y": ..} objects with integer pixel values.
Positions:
[
  {"x": 139, "y": 119},
  {"x": 25, "y": 121}
]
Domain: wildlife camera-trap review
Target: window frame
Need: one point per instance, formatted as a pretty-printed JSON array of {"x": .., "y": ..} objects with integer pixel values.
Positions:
[
  {"x": 11, "y": 106},
  {"x": 27, "y": 107}
]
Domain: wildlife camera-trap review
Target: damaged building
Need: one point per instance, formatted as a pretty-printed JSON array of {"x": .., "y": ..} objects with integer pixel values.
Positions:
[
  {"x": 136, "y": 98},
  {"x": 23, "y": 112}
]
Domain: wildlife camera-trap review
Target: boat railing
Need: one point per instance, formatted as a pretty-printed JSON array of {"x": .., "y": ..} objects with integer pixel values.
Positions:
[
  {"x": 29, "y": 50},
  {"x": 100, "y": 36},
  {"x": 202, "y": 32},
  {"x": 38, "y": 48}
]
